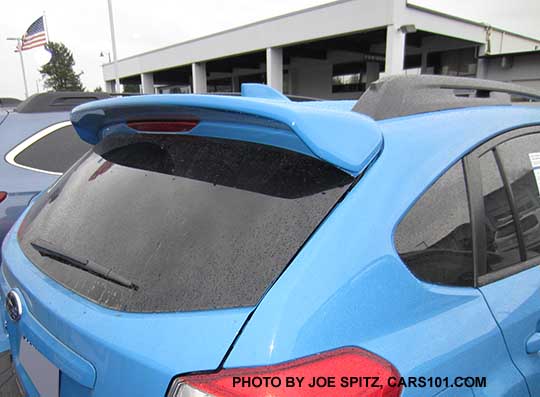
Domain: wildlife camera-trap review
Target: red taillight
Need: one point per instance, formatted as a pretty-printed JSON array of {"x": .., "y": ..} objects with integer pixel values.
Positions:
[
  {"x": 346, "y": 372},
  {"x": 163, "y": 126},
  {"x": 3, "y": 196}
]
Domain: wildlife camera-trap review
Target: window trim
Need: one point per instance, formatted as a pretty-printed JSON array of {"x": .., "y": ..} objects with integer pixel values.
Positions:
[
  {"x": 473, "y": 179},
  {"x": 473, "y": 185},
  {"x": 13, "y": 153},
  {"x": 464, "y": 165}
]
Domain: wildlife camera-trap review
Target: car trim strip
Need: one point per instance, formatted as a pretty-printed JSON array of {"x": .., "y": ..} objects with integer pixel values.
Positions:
[
  {"x": 13, "y": 153},
  {"x": 484, "y": 277},
  {"x": 476, "y": 206},
  {"x": 512, "y": 204}
]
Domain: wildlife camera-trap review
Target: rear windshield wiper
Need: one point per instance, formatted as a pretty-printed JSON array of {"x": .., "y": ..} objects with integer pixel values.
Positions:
[{"x": 47, "y": 249}]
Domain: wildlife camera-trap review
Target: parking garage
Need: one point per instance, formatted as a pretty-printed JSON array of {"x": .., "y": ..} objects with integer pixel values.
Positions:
[{"x": 332, "y": 51}]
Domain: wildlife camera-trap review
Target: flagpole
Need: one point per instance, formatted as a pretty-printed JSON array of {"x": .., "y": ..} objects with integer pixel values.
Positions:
[
  {"x": 19, "y": 46},
  {"x": 113, "y": 39},
  {"x": 46, "y": 26}
]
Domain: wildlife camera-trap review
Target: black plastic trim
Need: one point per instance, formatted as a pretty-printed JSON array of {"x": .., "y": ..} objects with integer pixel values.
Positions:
[
  {"x": 473, "y": 182},
  {"x": 59, "y": 101},
  {"x": 512, "y": 204},
  {"x": 396, "y": 96},
  {"x": 484, "y": 277},
  {"x": 507, "y": 271}
]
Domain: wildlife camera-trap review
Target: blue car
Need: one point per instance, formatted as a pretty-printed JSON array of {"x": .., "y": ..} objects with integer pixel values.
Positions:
[
  {"x": 37, "y": 144},
  {"x": 220, "y": 246}
]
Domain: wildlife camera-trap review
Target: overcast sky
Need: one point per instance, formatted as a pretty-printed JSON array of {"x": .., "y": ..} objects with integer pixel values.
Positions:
[{"x": 145, "y": 25}]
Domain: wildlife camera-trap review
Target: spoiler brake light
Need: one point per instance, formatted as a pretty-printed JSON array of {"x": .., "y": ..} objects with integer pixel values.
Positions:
[{"x": 163, "y": 126}]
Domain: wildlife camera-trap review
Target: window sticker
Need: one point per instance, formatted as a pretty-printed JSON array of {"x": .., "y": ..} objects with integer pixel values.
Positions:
[{"x": 535, "y": 163}]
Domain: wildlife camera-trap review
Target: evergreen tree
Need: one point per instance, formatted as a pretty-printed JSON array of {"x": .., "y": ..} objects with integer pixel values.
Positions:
[{"x": 58, "y": 73}]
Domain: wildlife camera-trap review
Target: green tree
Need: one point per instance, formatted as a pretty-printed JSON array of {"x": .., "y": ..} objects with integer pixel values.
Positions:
[
  {"x": 58, "y": 73},
  {"x": 98, "y": 89}
]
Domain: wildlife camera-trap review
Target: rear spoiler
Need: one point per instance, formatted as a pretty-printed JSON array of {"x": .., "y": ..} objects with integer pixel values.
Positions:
[{"x": 345, "y": 139}]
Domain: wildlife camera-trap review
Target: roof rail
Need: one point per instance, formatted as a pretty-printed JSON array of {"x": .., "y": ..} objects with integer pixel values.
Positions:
[
  {"x": 396, "y": 96},
  {"x": 58, "y": 101}
]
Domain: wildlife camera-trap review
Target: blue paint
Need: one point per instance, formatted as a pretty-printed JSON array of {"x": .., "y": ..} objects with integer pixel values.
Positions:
[
  {"x": 163, "y": 344},
  {"x": 346, "y": 139},
  {"x": 346, "y": 287},
  {"x": 365, "y": 296},
  {"x": 21, "y": 184},
  {"x": 515, "y": 303},
  {"x": 262, "y": 91}
]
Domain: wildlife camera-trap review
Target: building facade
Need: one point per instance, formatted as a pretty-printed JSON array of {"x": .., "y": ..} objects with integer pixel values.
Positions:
[{"x": 333, "y": 51}]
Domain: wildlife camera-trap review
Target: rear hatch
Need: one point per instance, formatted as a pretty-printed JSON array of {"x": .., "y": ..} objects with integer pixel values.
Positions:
[{"x": 147, "y": 257}]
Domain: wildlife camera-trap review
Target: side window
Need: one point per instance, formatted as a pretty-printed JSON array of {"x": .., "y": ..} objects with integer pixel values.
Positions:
[
  {"x": 435, "y": 237},
  {"x": 501, "y": 238},
  {"x": 520, "y": 158},
  {"x": 55, "y": 152}
]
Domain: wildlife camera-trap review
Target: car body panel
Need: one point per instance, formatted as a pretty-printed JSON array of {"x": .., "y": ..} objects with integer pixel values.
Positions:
[
  {"x": 515, "y": 303},
  {"x": 21, "y": 184},
  {"x": 121, "y": 345},
  {"x": 337, "y": 267},
  {"x": 3, "y": 115},
  {"x": 346, "y": 287},
  {"x": 11, "y": 208}
]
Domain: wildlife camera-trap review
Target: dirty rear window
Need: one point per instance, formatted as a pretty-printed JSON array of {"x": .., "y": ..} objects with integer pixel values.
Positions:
[{"x": 197, "y": 223}]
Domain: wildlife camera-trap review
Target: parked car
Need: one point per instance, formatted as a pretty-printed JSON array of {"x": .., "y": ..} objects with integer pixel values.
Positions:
[
  {"x": 38, "y": 143},
  {"x": 236, "y": 246},
  {"x": 9, "y": 103}
]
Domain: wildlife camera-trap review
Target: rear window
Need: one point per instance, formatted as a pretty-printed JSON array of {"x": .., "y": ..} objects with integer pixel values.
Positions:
[
  {"x": 55, "y": 152},
  {"x": 197, "y": 223}
]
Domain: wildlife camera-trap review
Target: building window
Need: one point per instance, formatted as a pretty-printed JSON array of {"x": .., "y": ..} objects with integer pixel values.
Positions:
[
  {"x": 413, "y": 61},
  {"x": 252, "y": 78},
  {"x": 453, "y": 63},
  {"x": 219, "y": 85},
  {"x": 349, "y": 77}
]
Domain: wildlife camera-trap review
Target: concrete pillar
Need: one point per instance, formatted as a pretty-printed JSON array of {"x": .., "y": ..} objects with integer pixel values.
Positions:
[
  {"x": 395, "y": 50},
  {"x": 110, "y": 86},
  {"x": 372, "y": 72},
  {"x": 147, "y": 83},
  {"x": 198, "y": 71},
  {"x": 423, "y": 65},
  {"x": 481, "y": 68},
  {"x": 274, "y": 68},
  {"x": 481, "y": 65},
  {"x": 235, "y": 80}
]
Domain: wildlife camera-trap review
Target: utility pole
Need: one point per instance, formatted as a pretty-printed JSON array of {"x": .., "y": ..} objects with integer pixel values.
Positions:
[
  {"x": 113, "y": 40},
  {"x": 19, "y": 45}
]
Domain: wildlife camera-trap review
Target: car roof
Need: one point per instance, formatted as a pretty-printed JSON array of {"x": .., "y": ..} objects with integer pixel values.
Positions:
[
  {"x": 396, "y": 96},
  {"x": 58, "y": 101},
  {"x": 8, "y": 102},
  {"x": 431, "y": 142}
]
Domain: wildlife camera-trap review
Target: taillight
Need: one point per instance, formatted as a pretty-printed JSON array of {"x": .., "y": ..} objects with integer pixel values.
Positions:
[
  {"x": 163, "y": 126},
  {"x": 346, "y": 372},
  {"x": 3, "y": 196}
]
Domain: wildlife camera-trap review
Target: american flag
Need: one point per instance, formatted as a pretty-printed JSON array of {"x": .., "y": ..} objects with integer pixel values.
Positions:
[{"x": 35, "y": 36}]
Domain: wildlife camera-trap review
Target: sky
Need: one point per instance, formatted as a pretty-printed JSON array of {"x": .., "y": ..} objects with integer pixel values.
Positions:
[{"x": 83, "y": 26}]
